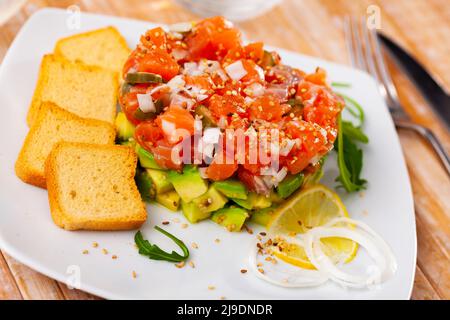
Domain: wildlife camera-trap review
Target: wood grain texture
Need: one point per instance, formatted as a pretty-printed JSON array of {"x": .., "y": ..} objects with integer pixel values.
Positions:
[{"x": 312, "y": 27}]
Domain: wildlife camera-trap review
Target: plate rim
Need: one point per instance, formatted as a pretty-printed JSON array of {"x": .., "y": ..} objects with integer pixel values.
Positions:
[{"x": 36, "y": 265}]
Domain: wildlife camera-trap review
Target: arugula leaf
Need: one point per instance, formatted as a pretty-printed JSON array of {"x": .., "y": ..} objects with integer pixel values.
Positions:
[
  {"x": 350, "y": 157},
  {"x": 353, "y": 107},
  {"x": 152, "y": 251},
  {"x": 341, "y": 84},
  {"x": 353, "y": 133}
]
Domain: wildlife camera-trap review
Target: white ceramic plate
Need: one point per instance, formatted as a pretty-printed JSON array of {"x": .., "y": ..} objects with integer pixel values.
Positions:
[{"x": 29, "y": 235}]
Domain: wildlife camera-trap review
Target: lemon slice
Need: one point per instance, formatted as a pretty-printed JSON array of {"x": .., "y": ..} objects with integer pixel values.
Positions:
[{"x": 306, "y": 209}]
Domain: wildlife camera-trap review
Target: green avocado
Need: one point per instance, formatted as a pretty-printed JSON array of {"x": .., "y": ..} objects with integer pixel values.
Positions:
[
  {"x": 146, "y": 159},
  {"x": 125, "y": 129},
  {"x": 232, "y": 218},
  {"x": 188, "y": 184},
  {"x": 231, "y": 188},
  {"x": 211, "y": 201},
  {"x": 263, "y": 216},
  {"x": 160, "y": 180},
  {"x": 192, "y": 212},
  {"x": 170, "y": 200},
  {"x": 145, "y": 185},
  {"x": 254, "y": 201},
  {"x": 289, "y": 185}
]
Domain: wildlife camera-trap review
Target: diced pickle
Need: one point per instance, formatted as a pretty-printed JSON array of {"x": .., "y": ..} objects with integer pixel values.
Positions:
[
  {"x": 143, "y": 77},
  {"x": 206, "y": 115}
]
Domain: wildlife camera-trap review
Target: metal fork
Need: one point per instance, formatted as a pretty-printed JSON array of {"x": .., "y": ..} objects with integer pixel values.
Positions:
[{"x": 365, "y": 53}]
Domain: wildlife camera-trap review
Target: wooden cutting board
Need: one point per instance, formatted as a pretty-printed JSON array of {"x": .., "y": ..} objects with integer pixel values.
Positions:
[{"x": 312, "y": 27}]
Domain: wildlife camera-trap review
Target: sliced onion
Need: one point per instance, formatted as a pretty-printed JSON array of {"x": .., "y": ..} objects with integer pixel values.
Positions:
[
  {"x": 300, "y": 278},
  {"x": 176, "y": 84},
  {"x": 168, "y": 127},
  {"x": 260, "y": 72},
  {"x": 236, "y": 70},
  {"x": 181, "y": 27},
  {"x": 256, "y": 89},
  {"x": 278, "y": 90},
  {"x": 182, "y": 101},
  {"x": 376, "y": 247},
  {"x": 191, "y": 69},
  {"x": 145, "y": 102},
  {"x": 211, "y": 135},
  {"x": 179, "y": 54},
  {"x": 260, "y": 186},
  {"x": 281, "y": 175}
]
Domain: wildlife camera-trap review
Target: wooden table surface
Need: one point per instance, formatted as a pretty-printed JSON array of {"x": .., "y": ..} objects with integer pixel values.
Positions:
[{"x": 312, "y": 27}]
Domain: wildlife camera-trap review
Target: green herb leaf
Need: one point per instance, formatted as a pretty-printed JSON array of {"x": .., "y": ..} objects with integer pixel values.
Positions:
[
  {"x": 353, "y": 133},
  {"x": 152, "y": 251},
  {"x": 353, "y": 107},
  {"x": 350, "y": 158},
  {"x": 341, "y": 84}
]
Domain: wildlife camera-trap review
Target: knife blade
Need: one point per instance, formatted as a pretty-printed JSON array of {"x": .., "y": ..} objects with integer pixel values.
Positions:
[{"x": 430, "y": 88}]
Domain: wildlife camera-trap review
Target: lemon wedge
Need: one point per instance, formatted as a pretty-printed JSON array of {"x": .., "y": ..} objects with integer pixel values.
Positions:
[{"x": 306, "y": 209}]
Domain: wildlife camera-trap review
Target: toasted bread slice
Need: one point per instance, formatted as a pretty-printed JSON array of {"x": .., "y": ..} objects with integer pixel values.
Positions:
[
  {"x": 104, "y": 48},
  {"x": 53, "y": 125},
  {"x": 87, "y": 91},
  {"x": 92, "y": 187}
]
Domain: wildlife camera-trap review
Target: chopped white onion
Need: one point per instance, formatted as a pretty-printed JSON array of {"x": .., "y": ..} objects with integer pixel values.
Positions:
[
  {"x": 176, "y": 84},
  {"x": 256, "y": 89},
  {"x": 248, "y": 100},
  {"x": 191, "y": 69},
  {"x": 145, "y": 102},
  {"x": 281, "y": 175},
  {"x": 260, "y": 186},
  {"x": 260, "y": 72},
  {"x": 181, "y": 27},
  {"x": 156, "y": 89},
  {"x": 211, "y": 135},
  {"x": 236, "y": 70},
  {"x": 182, "y": 101},
  {"x": 179, "y": 54},
  {"x": 168, "y": 127}
]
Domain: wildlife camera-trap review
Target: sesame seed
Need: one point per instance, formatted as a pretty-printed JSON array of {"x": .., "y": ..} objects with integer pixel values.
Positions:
[
  {"x": 114, "y": 257},
  {"x": 261, "y": 270},
  {"x": 217, "y": 240},
  {"x": 180, "y": 264},
  {"x": 191, "y": 264},
  {"x": 222, "y": 298},
  {"x": 165, "y": 223},
  {"x": 194, "y": 245},
  {"x": 85, "y": 251},
  {"x": 211, "y": 288},
  {"x": 184, "y": 225},
  {"x": 176, "y": 220},
  {"x": 243, "y": 270},
  {"x": 105, "y": 251},
  {"x": 134, "y": 274}
]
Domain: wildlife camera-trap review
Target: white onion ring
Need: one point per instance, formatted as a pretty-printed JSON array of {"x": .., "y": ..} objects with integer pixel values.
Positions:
[{"x": 378, "y": 250}]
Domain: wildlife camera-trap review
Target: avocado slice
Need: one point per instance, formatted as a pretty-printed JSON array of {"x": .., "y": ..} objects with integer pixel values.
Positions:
[
  {"x": 232, "y": 218},
  {"x": 254, "y": 201},
  {"x": 170, "y": 200},
  {"x": 231, "y": 188},
  {"x": 160, "y": 180},
  {"x": 125, "y": 129},
  {"x": 146, "y": 159},
  {"x": 143, "y": 77},
  {"x": 145, "y": 185},
  {"x": 275, "y": 198},
  {"x": 188, "y": 184},
  {"x": 192, "y": 212},
  {"x": 211, "y": 201},
  {"x": 289, "y": 185},
  {"x": 263, "y": 216}
]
